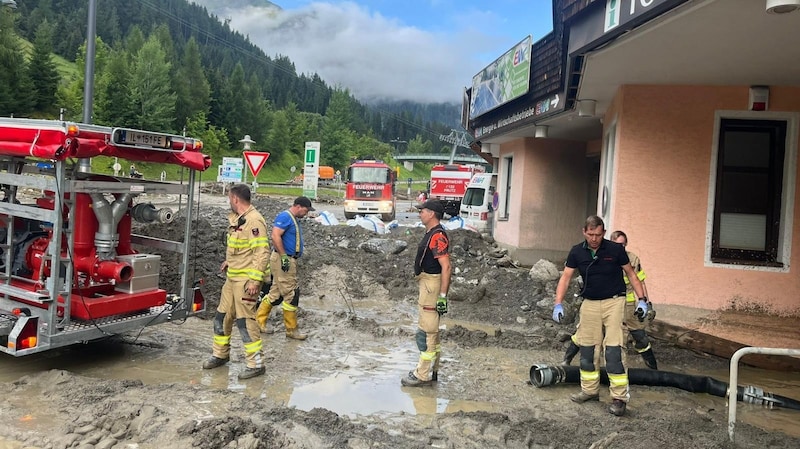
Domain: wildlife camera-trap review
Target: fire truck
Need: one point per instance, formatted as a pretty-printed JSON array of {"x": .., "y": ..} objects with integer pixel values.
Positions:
[
  {"x": 370, "y": 189},
  {"x": 449, "y": 183},
  {"x": 69, "y": 271}
]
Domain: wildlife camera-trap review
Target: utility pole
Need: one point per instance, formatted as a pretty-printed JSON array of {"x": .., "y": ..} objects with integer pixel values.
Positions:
[{"x": 457, "y": 139}]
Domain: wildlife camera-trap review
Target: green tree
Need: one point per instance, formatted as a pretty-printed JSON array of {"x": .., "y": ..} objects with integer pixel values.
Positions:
[
  {"x": 215, "y": 141},
  {"x": 418, "y": 145},
  {"x": 191, "y": 85},
  {"x": 234, "y": 106},
  {"x": 151, "y": 92},
  {"x": 279, "y": 138},
  {"x": 16, "y": 89},
  {"x": 42, "y": 71},
  {"x": 337, "y": 137},
  {"x": 113, "y": 100}
]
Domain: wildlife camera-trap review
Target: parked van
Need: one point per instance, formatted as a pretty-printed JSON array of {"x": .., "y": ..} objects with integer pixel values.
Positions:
[{"x": 477, "y": 202}]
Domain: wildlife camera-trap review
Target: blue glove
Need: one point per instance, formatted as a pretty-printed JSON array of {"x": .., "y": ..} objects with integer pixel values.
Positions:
[
  {"x": 285, "y": 263},
  {"x": 441, "y": 305},
  {"x": 641, "y": 308},
  {"x": 558, "y": 313}
]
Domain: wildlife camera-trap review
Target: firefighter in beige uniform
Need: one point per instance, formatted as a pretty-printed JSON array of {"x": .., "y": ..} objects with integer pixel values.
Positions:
[
  {"x": 633, "y": 322},
  {"x": 245, "y": 266},
  {"x": 601, "y": 263},
  {"x": 287, "y": 241}
]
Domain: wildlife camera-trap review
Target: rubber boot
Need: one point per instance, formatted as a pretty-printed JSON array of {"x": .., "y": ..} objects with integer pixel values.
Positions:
[
  {"x": 262, "y": 314},
  {"x": 650, "y": 359},
  {"x": 572, "y": 351},
  {"x": 290, "y": 321}
]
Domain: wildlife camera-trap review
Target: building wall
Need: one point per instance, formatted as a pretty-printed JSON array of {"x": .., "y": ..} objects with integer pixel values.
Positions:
[
  {"x": 549, "y": 196},
  {"x": 665, "y": 138}
]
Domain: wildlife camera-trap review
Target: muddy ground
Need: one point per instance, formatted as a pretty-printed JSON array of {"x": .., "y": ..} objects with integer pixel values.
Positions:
[{"x": 358, "y": 305}]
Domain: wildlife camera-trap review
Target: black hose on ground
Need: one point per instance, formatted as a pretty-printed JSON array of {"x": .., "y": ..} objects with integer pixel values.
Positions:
[{"x": 542, "y": 375}]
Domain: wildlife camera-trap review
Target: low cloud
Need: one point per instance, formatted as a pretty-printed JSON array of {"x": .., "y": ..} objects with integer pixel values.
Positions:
[{"x": 375, "y": 57}]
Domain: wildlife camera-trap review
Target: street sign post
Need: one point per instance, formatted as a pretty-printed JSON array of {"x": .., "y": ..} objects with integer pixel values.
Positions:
[
  {"x": 311, "y": 170},
  {"x": 255, "y": 160}
]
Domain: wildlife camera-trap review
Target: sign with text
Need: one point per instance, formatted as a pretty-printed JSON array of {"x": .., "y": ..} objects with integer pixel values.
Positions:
[
  {"x": 503, "y": 80},
  {"x": 311, "y": 170},
  {"x": 255, "y": 160},
  {"x": 620, "y": 12},
  {"x": 230, "y": 170}
]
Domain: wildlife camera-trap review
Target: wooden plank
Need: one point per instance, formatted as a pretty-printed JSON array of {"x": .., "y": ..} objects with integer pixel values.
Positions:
[{"x": 720, "y": 347}]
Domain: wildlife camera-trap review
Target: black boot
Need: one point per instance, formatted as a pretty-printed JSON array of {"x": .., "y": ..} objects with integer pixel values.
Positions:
[
  {"x": 650, "y": 359},
  {"x": 572, "y": 351}
]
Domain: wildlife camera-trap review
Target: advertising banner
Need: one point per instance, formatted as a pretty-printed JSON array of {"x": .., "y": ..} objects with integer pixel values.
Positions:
[{"x": 503, "y": 80}]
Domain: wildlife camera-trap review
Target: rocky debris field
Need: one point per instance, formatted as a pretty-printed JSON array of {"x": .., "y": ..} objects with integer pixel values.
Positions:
[{"x": 358, "y": 304}]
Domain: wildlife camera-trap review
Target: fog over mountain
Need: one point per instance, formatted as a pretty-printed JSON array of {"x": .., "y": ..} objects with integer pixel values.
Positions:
[{"x": 375, "y": 57}]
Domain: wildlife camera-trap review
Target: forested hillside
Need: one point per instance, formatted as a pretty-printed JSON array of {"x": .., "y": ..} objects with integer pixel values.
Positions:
[{"x": 168, "y": 65}]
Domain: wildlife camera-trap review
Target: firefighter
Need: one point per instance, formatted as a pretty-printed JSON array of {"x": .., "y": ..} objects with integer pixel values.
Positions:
[
  {"x": 287, "y": 243},
  {"x": 601, "y": 264},
  {"x": 634, "y": 324},
  {"x": 432, "y": 268},
  {"x": 246, "y": 267}
]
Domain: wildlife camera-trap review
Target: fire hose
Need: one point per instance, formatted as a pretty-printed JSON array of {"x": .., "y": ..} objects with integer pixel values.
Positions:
[{"x": 542, "y": 375}]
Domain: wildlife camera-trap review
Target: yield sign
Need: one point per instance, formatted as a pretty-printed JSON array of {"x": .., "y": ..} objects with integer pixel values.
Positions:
[{"x": 255, "y": 160}]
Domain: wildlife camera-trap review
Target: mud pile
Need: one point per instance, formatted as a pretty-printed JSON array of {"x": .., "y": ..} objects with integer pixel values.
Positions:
[{"x": 491, "y": 286}]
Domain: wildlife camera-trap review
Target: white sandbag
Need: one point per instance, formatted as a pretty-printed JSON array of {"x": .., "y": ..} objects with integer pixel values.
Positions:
[
  {"x": 369, "y": 222},
  {"x": 327, "y": 218}
]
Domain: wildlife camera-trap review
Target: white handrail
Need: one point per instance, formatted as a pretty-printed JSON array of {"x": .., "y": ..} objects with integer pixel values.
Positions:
[{"x": 734, "y": 378}]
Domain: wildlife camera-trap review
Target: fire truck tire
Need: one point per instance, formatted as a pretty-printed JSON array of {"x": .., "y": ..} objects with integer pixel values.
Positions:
[
  {"x": 389, "y": 217},
  {"x": 349, "y": 215}
]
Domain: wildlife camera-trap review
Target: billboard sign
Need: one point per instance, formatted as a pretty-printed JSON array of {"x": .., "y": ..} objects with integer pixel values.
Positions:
[{"x": 505, "y": 79}]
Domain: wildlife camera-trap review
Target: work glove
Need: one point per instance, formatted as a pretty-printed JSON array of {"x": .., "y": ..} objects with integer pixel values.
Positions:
[
  {"x": 641, "y": 308},
  {"x": 558, "y": 313},
  {"x": 651, "y": 312},
  {"x": 441, "y": 305},
  {"x": 285, "y": 263}
]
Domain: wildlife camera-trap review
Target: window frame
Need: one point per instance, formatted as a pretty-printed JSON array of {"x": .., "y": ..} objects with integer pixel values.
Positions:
[{"x": 784, "y": 206}]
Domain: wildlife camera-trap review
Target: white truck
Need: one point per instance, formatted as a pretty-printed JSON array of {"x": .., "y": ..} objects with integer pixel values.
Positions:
[{"x": 69, "y": 270}]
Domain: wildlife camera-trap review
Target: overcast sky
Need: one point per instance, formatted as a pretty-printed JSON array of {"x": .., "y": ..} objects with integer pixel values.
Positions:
[{"x": 420, "y": 50}]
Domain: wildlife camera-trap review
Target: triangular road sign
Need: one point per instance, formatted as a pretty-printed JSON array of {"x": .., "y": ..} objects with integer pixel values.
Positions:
[{"x": 255, "y": 160}]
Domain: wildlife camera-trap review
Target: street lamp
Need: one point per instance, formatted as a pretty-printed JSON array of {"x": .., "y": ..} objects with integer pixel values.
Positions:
[{"x": 247, "y": 143}]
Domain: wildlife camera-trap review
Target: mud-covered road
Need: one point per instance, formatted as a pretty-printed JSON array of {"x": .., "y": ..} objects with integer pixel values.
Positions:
[{"x": 341, "y": 387}]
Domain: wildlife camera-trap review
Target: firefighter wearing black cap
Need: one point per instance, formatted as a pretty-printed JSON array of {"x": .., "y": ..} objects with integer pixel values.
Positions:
[
  {"x": 432, "y": 268},
  {"x": 245, "y": 267},
  {"x": 287, "y": 243}
]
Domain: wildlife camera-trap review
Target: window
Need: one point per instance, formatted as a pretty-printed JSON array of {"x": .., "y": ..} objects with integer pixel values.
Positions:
[
  {"x": 506, "y": 206},
  {"x": 748, "y": 219}
]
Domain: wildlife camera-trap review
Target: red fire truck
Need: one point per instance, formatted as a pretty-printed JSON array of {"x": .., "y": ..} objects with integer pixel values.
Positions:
[
  {"x": 449, "y": 183},
  {"x": 69, "y": 272},
  {"x": 370, "y": 189}
]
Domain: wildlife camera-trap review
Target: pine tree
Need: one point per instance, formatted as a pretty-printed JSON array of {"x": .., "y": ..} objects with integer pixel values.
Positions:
[
  {"x": 191, "y": 86},
  {"x": 151, "y": 92},
  {"x": 42, "y": 71}
]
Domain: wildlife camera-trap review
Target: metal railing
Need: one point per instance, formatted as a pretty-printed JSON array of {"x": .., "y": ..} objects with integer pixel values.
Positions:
[{"x": 734, "y": 379}]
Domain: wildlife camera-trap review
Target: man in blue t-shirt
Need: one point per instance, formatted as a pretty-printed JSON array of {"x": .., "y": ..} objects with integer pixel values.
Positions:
[
  {"x": 287, "y": 245},
  {"x": 601, "y": 263}
]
